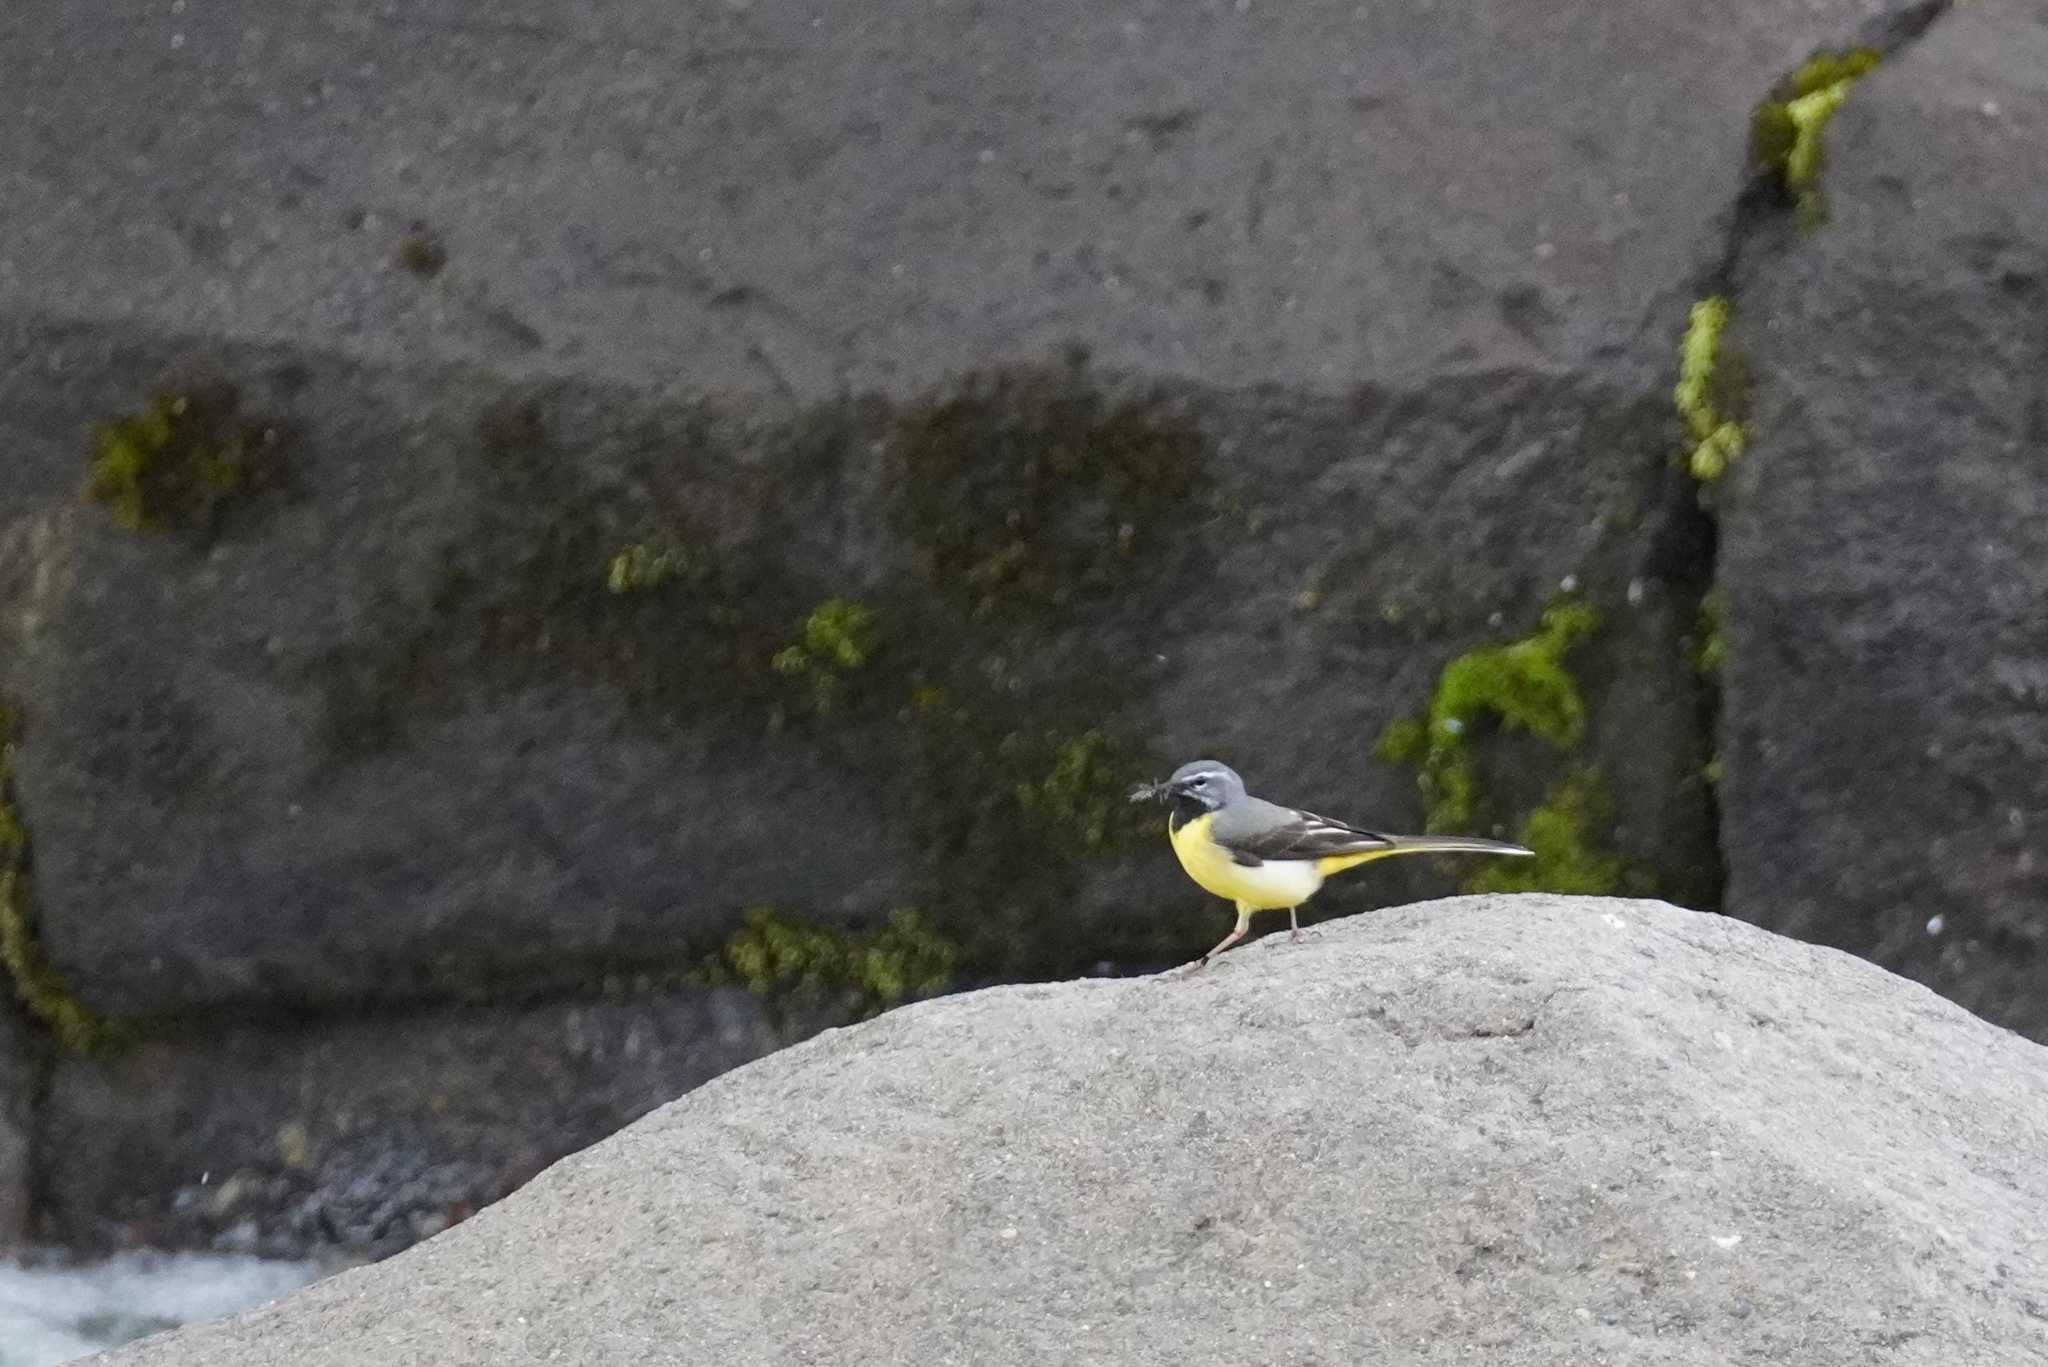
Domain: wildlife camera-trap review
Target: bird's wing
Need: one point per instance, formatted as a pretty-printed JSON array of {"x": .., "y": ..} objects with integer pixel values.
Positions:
[{"x": 1270, "y": 832}]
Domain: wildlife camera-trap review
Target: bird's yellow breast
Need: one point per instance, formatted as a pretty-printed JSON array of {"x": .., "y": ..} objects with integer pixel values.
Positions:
[{"x": 1271, "y": 886}]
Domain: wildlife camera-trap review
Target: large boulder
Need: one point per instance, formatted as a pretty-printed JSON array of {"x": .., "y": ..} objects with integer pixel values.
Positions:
[
  {"x": 353, "y": 1139},
  {"x": 1885, "y": 553},
  {"x": 1523, "y": 1130}
]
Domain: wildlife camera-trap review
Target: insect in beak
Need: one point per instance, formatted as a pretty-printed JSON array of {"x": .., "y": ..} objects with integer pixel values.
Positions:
[{"x": 1148, "y": 792}]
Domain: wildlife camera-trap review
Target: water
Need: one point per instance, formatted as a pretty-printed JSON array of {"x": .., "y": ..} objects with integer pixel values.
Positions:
[{"x": 51, "y": 1311}]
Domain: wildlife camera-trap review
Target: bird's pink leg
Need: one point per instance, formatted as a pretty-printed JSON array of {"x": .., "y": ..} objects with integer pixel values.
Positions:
[
  {"x": 1244, "y": 923},
  {"x": 1294, "y": 925}
]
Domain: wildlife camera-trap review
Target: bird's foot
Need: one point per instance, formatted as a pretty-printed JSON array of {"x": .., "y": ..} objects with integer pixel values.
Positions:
[{"x": 1299, "y": 937}]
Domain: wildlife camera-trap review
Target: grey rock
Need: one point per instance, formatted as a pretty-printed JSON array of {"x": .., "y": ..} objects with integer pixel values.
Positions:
[
  {"x": 1514, "y": 1130},
  {"x": 272, "y": 766},
  {"x": 1414, "y": 281},
  {"x": 357, "y": 1138},
  {"x": 388, "y": 737},
  {"x": 1885, "y": 557},
  {"x": 20, "y": 1075},
  {"x": 769, "y": 198},
  {"x": 1400, "y": 287}
]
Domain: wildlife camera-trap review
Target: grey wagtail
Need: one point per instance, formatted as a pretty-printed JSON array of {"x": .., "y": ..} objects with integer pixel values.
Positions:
[{"x": 1266, "y": 857}]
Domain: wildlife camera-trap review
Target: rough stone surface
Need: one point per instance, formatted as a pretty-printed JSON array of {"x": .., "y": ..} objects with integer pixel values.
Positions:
[
  {"x": 778, "y": 198},
  {"x": 1885, "y": 557},
  {"x": 1396, "y": 287},
  {"x": 1414, "y": 277},
  {"x": 274, "y": 767},
  {"x": 357, "y": 1138},
  {"x": 390, "y": 737},
  {"x": 1509, "y": 1130},
  {"x": 19, "y": 1072}
]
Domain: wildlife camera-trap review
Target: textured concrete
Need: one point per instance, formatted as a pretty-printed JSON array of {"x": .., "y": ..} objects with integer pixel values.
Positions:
[{"x": 1514, "y": 1130}]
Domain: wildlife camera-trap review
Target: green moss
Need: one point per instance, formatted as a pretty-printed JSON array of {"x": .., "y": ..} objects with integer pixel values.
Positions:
[
  {"x": 1523, "y": 686},
  {"x": 643, "y": 566},
  {"x": 566, "y": 577},
  {"x": 841, "y": 633},
  {"x": 1405, "y": 741},
  {"x": 1709, "y": 391},
  {"x": 1710, "y": 642},
  {"x": 420, "y": 251},
  {"x": 1562, "y": 832},
  {"x": 834, "y": 641},
  {"x": 1081, "y": 797},
  {"x": 176, "y": 464},
  {"x": 1028, "y": 491},
  {"x": 37, "y": 982},
  {"x": 776, "y": 955},
  {"x": 1786, "y": 131},
  {"x": 990, "y": 705},
  {"x": 1011, "y": 805}
]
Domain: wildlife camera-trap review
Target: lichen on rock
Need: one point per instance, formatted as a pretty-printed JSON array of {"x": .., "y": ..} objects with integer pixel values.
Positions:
[
  {"x": 176, "y": 464},
  {"x": 837, "y": 639},
  {"x": 1709, "y": 391},
  {"x": 1786, "y": 130}
]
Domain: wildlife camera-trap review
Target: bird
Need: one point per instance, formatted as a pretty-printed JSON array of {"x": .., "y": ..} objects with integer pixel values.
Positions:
[{"x": 1265, "y": 857}]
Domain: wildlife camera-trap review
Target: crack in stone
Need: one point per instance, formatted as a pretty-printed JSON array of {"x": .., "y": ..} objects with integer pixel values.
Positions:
[{"x": 1689, "y": 547}]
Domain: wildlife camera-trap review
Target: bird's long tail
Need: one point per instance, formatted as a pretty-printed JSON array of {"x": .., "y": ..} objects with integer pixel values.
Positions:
[
  {"x": 1452, "y": 844},
  {"x": 1417, "y": 844}
]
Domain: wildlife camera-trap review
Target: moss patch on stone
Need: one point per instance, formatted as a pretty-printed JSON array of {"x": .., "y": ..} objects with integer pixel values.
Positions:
[
  {"x": 564, "y": 579},
  {"x": 420, "y": 251},
  {"x": 37, "y": 982},
  {"x": 835, "y": 640},
  {"x": 1564, "y": 833},
  {"x": 1079, "y": 793},
  {"x": 1709, "y": 640},
  {"x": 648, "y": 565},
  {"x": 1523, "y": 686},
  {"x": 1010, "y": 809},
  {"x": 1709, "y": 393},
  {"x": 1029, "y": 491},
  {"x": 176, "y": 464},
  {"x": 1785, "y": 138},
  {"x": 687, "y": 562},
  {"x": 787, "y": 958}
]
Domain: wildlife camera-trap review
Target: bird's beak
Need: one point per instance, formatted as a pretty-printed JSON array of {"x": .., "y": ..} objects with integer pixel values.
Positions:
[{"x": 1149, "y": 792}]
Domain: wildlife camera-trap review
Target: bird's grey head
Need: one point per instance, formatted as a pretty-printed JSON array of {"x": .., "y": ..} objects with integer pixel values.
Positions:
[{"x": 1204, "y": 783}]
